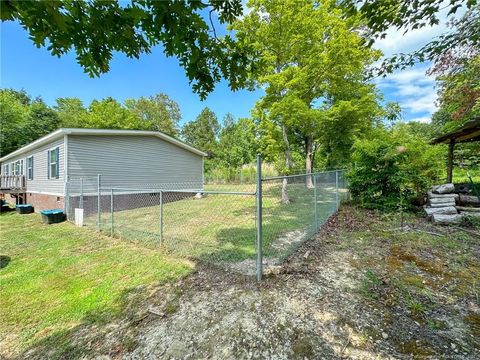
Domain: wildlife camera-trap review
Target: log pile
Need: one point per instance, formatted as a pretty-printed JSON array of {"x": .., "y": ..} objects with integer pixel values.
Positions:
[{"x": 446, "y": 207}]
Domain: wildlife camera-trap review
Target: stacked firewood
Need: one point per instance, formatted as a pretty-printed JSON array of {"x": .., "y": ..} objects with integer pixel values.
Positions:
[{"x": 444, "y": 206}]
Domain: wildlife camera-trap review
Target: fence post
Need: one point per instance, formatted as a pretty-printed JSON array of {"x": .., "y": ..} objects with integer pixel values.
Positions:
[
  {"x": 258, "y": 194},
  {"x": 315, "y": 199},
  {"x": 66, "y": 201},
  {"x": 112, "y": 232},
  {"x": 161, "y": 217},
  {"x": 99, "y": 202},
  {"x": 81, "y": 193},
  {"x": 336, "y": 188}
]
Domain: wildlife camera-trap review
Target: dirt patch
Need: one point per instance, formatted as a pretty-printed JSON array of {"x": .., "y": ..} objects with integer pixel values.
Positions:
[
  {"x": 362, "y": 289},
  {"x": 353, "y": 292}
]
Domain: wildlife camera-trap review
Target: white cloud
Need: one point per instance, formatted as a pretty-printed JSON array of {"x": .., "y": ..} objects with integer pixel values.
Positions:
[
  {"x": 425, "y": 103},
  {"x": 412, "y": 88},
  {"x": 422, "y": 119},
  {"x": 396, "y": 41}
]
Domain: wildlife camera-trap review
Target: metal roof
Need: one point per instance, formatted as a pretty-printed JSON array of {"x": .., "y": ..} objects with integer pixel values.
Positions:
[
  {"x": 98, "y": 132},
  {"x": 470, "y": 131}
]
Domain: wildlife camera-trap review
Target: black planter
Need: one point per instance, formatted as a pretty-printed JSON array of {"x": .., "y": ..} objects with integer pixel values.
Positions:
[
  {"x": 52, "y": 216},
  {"x": 24, "y": 209}
]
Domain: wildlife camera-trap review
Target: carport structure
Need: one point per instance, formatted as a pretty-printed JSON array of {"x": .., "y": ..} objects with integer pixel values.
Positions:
[{"x": 468, "y": 132}]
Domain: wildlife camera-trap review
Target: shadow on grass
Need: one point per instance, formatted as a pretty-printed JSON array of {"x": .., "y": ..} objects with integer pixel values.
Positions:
[
  {"x": 4, "y": 261},
  {"x": 90, "y": 337}
]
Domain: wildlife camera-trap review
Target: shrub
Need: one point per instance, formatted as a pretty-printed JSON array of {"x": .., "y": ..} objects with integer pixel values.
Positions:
[{"x": 392, "y": 167}]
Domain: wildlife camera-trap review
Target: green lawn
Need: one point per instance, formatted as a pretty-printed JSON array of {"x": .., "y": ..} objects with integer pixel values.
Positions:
[
  {"x": 56, "y": 277},
  {"x": 222, "y": 227},
  {"x": 461, "y": 175}
]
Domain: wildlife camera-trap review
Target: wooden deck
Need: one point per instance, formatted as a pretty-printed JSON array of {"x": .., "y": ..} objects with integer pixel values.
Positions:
[{"x": 12, "y": 184}]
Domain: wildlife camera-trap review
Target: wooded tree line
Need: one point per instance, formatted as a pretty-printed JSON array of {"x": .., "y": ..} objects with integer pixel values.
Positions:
[{"x": 230, "y": 143}]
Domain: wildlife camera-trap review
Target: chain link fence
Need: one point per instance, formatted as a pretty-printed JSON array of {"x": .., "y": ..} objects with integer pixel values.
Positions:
[{"x": 217, "y": 223}]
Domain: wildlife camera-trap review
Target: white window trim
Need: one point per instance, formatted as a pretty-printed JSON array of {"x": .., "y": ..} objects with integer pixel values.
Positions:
[
  {"x": 49, "y": 163},
  {"x": 28, "y": 168}
]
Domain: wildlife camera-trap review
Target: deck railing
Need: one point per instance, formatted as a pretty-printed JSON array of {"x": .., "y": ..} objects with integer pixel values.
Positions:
[{"x": 12, "y": 182}]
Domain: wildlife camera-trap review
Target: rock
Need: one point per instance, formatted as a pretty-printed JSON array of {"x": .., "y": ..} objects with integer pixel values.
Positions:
[
  {"x": 447, "y": 219},
  {"x": 469, "y": 200},
  {"x": 431, "y": 195},
  {"x": 384, "y": 335},
  {"x": 468, "y": 209},
  {"x": 474, "y": 214},
  {"x": 443, "y": 189},
  {"x": 440, "y": 205},
  {"x": 442, "y": 200},
  {"x": 177, "y": 350},
  {"x": 446, "y": 210}
]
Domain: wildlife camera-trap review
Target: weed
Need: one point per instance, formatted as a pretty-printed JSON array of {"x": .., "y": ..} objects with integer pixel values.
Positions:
[
  {"x": 433, "y": 324},
  {"x": 370, "y": 284}
]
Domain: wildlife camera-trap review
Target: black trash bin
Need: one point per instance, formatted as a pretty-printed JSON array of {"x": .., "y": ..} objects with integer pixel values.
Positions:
[
  {"x": 24, "y": 209},
  {"x": 52, "y": 216}
]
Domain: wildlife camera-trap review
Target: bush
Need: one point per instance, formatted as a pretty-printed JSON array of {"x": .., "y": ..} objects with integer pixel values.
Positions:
[{"x": 392, "y": 167}]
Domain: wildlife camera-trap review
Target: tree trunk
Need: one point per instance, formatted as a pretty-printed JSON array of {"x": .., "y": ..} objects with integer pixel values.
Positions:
[
  {"x": 288, "y": 164},
  {"x": 309, "y": 161}
]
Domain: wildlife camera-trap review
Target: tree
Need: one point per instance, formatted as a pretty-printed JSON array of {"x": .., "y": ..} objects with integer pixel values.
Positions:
[
  {"x": 14, "y": 114},
  {"x": 407, "y": 15},
  {"x": 313, "y": 61},
  {"x": 394, "y": 166},
  {"x": 110, "y": 114},
  {"x": 23, "y": 120},
  {"x": 458, "y": 81},
  {"x": 237, "y": 144},
  {"x": 97, "y": 29},
  {"x": 71, "y": 112},
  {"x": 202, "y": 133},
  {"x": 159, "y": 113},
  {"x": 41, "y": 121}
]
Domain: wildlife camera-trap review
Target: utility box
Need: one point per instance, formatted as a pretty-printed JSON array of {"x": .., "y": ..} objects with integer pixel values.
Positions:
[{"x": 79, "y": 217}]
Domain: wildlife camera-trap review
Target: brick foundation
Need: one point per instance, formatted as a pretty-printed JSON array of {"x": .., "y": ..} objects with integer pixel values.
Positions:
[
  {"x": 39, "y": 201},
  {"x": 124, "y": 201}
]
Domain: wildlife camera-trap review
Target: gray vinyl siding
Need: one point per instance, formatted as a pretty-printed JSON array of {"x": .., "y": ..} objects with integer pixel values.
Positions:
[
  {"x": 41, "y": 183},
  {"x": 133, "y": 162}
]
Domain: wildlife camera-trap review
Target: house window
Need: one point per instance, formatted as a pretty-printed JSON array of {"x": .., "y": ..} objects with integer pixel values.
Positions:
[
  {"x": 30, "y": 168},
  {"x": 17, "y": 167},
  {"x": 53, "y": 163},
  {"x": 7, "y": 169}
]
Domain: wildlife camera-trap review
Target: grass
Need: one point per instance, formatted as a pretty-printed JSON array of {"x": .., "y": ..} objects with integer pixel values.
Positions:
[
  {"x": 57, "y": 277},
  {"x": 222, "y": 227},
  {"x": 413, "y": 268},
  {"x": 460, "y": 175}
]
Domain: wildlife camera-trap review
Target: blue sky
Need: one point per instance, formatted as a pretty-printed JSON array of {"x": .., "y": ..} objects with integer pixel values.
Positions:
[{"x": 23, "y": 66}]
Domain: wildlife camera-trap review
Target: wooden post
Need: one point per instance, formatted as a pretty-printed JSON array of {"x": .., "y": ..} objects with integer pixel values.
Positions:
[{"x": 451, "y": 145}]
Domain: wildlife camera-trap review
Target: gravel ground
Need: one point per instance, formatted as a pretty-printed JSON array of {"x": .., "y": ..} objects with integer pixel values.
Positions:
[
  {"x": 364, "y": 288},
  {"x": 320, "y": 305}
]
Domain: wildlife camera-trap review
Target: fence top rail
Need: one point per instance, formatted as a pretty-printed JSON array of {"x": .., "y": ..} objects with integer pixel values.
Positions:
[
  {"x": 69, "y": 178},
  {"x": 279, "y": 177},
  {"x": 193, "y": 191}
]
